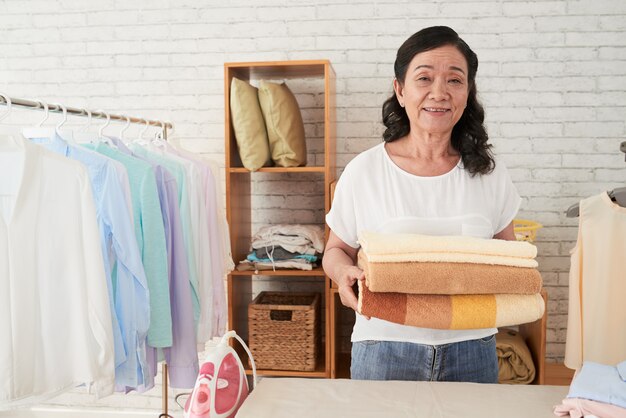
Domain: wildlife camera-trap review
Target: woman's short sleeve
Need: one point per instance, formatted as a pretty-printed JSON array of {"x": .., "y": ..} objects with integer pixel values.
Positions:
[
  {"x": 507, "y": 199},
  {"x": 341, "y": 218}
]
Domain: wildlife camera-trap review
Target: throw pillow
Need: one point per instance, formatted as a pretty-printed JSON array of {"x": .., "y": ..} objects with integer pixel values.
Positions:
[
  {"x": 285, "y": 129},
  {"x": 247, "y": 120}
]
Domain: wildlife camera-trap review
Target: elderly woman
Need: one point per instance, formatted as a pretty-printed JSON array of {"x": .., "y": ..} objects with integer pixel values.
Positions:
[{"x": 433, "y": 174}]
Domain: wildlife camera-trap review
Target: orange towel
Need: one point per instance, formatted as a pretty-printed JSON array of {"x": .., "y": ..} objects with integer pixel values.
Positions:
[
  {"x": 451, "y": 311},
  {"x": 448, "y": 278}
]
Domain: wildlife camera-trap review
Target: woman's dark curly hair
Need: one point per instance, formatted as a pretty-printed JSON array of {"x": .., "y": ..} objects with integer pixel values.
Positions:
[{"x": 469, "y": 136}]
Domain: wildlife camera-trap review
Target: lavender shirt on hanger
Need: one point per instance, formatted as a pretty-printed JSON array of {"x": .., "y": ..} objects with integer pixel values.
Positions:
[{"x": 181, "y": 357}]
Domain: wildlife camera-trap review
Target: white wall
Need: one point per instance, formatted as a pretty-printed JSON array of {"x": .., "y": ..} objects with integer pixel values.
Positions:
[{"x": 551, "y": 77}]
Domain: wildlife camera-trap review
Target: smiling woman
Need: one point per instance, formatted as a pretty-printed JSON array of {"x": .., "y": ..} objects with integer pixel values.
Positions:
[{"x": 434, "y": 174}]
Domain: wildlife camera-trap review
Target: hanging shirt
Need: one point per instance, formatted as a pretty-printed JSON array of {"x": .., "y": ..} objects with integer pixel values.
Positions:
[
  {"x": 189, "y": 226},
  {"x": 219, "y": 240},
  {"x": 201, "y": 241},
  {"x": 55, "y": 319},
  {"x": 150, "y": 236},
  {"x": 181, "y": 357},
  {"x": 128, "y": 288},
  {"x": 597, "y": 285}
]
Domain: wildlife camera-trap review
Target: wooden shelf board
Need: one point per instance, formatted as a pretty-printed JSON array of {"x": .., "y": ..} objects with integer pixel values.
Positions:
[
  {"x": 316, "y": 272},
  {"x": 308, "y": 169},
  {"x": 320, "y": 369},
  {"x": 557, "y": 374},
  {"x": 281, "y": 69}
]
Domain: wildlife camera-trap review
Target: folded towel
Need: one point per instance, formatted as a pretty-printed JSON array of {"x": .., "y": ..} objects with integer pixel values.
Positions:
[
  {"x": 294, "y": 238},
  {"x": 451, "y": 311},
  {"x": 453, "y": 258},
  {"x": 415, "y": 247},
  {"x": 448, "y": 278},
  {"x": 515, "y": 363}
]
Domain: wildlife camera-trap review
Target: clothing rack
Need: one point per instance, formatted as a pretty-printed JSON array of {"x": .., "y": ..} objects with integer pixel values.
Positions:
[
  {"x": 100, "y": 114},
  {"x": 58, "y": 108}
]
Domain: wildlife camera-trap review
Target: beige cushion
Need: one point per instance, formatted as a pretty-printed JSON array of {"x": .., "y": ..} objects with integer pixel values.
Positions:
[
  {"x": 285, "y": 129},
  {"x": 248, "y": 125}
]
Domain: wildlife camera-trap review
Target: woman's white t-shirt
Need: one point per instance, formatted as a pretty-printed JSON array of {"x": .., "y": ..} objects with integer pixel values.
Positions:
[{"x": 374, "y": 194}]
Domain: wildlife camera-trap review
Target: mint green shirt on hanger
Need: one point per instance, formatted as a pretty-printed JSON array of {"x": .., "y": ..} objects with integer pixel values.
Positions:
[
  {"x": 150, "y": 235},
  {"x": 178, "y": 171}
]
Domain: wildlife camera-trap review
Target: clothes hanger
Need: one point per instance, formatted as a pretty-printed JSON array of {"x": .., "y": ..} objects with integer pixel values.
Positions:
[
  {"x": 616, "y": 195},
  {"x": 83, "y": 135},
  {"x": 126, "y": 125},
  {"x": 7, "y": 143},
  {"x": 38, "y": 131},
  {"x": 66, "y": 135},
  {"x": 158, "y": 140},
  {"x": 140, "y": 139},
  {"x": 101, "y": 136},
  {"x": 7, "y": 100}
]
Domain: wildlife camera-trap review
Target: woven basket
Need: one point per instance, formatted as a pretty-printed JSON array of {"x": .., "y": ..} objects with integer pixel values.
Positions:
[
  {"x": 526, "y": 230},
  {"x": 284, "y": 330}
]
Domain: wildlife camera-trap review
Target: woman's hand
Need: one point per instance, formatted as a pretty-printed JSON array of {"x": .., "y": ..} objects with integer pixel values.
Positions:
[
  {"x": 348, "y": 276},
  {"x": 339, "y": 264}
]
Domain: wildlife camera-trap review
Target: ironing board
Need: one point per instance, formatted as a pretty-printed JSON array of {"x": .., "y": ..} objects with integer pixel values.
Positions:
[{"x": 304, "y": 398}]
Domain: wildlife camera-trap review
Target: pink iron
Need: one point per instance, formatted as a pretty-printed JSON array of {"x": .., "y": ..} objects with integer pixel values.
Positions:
[{"x": 219, "y": 395}]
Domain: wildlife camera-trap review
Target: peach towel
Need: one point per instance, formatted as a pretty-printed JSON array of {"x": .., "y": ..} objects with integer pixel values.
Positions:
[{"x": 448, "y": 278}]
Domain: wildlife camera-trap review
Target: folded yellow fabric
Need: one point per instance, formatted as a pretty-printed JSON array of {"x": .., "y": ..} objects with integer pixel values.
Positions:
[
  {"x": 515, "y": 363},
  {"x": 415, "y": 247},
  {"x": 451, "y": 311},
  {"x": 447, "y": 278}
]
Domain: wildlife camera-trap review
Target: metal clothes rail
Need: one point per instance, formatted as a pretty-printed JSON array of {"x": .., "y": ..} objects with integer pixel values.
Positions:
[{"x": 58, "y": 108}]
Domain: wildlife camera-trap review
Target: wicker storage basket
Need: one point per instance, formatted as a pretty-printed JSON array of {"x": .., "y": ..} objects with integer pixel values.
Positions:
[{"x": 284, "y": 330}]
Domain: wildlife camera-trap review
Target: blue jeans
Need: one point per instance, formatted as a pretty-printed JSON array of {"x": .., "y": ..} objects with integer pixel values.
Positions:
[{"x": 465, "y": 361}]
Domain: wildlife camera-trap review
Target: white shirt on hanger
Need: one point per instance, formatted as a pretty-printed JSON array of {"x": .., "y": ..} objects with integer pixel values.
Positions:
[{"x": 55, "y": 319}]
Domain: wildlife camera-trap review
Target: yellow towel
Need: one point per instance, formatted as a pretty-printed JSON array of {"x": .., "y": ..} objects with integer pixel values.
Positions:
[
  {"x": 414, "y": 247},
  {"x": 515, "y": 363},
  {"x": 451, "y": 311},
  {"x": 448, "y": 278}
]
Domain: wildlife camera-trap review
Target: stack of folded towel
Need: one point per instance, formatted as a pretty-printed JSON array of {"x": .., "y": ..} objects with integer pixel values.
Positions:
[
  {"x": 285, "y": 246},
  {"x": 449, "y": 282}
]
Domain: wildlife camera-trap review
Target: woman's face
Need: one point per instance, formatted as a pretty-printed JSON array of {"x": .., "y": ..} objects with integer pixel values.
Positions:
[{"x": 435, "y": 89}]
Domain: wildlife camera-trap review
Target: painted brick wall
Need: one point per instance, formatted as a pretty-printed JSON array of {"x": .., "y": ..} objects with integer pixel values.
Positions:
[{"x": 551, "y": 77}]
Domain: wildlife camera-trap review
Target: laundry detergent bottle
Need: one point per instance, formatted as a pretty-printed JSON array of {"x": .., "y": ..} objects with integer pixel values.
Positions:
[{"x": 221, "y": 386}]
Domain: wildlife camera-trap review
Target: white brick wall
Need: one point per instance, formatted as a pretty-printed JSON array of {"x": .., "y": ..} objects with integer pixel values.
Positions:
[{"x": 551, "y": 77}]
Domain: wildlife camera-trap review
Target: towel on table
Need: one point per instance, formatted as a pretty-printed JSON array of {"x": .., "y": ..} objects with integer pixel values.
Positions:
[
  {"x": 515, "y": 363},
  {"x": 448, "y": 278},
  {"x": 451, "y": 311}
]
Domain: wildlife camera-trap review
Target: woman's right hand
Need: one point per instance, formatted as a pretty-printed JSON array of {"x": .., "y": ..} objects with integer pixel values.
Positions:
[
  {"x": 348, "y": 276},
  {"x": 339, "y": 264}
]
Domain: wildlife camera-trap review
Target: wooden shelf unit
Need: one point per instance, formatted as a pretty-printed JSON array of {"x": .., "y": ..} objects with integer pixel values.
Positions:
[{"x": 239, "y": 202}]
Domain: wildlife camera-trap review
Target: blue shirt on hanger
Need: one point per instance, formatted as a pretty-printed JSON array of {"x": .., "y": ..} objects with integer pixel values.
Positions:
[{"x": 127, "y": 285}]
